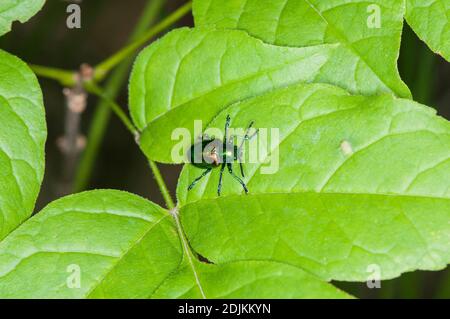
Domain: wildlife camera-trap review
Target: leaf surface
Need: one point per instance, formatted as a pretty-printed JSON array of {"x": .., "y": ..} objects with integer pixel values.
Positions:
[
  {"x": 22, "y": 140},
  {"x": 109, "y": 236},
  {"x": 191, "y": 74},
  {"x": 111, "y": 244},
  {"x": 366, "y": 61},
  {"x": 431, "y": 21},
  {"x": 17, "y": 10},
  {"x": 360, "y": 181},
  {"x": 243, "y": 280}
]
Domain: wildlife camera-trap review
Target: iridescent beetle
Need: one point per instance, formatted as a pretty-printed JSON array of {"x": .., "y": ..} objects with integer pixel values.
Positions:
[{"x": 211, "y": 153}]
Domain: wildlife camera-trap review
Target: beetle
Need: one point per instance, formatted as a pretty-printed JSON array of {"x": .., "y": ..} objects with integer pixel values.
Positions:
[{"x": 211, "y": 153}]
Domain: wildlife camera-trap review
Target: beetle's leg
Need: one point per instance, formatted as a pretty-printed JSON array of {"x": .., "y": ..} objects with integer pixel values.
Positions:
[
  {"x": 219, "y": 187},
  {"x": 248, "y": 137},
  {"x": 252, "y": 136},
  {"x": 245, "y": 138},
  {"x": 205, "y": 137},
  {"x": 199, "y": 178},
  {"x": 241, "y": 166},
  {"x": 230, "y": 170}
]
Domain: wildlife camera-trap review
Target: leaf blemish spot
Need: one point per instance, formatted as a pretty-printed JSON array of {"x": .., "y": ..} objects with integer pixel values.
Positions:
[{"x": 346, "y": 148}]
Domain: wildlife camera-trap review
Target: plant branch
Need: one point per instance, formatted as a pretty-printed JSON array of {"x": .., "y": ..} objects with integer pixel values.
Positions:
[
  {"x": 162, "y": 185},
  {"x": 93, "y": 88},
  {"x": 68, "y": 78},
  {"x": 72, "y": 142},
  {"x": 65, "y": 77},
  {"x": 102, "y": 69},
  {"x": 102, "y": 111}
]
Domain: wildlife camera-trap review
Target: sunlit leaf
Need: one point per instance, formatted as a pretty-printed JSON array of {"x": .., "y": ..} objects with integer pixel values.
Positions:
[
  {"x": 191, "y": 74},
  {"x": 369, "y": 34},
  {"x": 360, "y": 181},
  {"x": 111, "y": 244}
]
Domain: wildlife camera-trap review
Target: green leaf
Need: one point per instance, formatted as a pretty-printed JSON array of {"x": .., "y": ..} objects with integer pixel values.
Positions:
[
  {"x": 245, "y": 279},
  {"x": 117, "y": 245},
  {"x": 431, "y": 21},
  {"x": 22, "y": 141},
  {"x": 191, "y": 74},
  {"x": 365, "y": 63},
  {"x": 13, "y": 10},
  {"x": 121, "y": 244},
  {"x": 361, "y": 181}
]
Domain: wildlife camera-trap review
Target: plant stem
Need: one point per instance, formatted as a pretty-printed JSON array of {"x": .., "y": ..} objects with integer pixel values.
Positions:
[
  {"x": 102, "y": 111},
  {"x": 423, "y": 87},
  {"x": 444, "y": 286},
  {"x": 65, "y": 77},
  {"x": 93, "y": 88},
  {"x": 162, "y": 185},
  {"x": 72, "y": 143},
  {"x": 102, "y": 69}
]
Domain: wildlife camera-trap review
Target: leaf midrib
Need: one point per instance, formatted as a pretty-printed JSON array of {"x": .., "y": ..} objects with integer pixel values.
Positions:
[{"x": 187, "y": 252}]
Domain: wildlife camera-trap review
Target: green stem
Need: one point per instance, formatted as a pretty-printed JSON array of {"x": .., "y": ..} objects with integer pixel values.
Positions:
[
  {"x": 102, "y": 69},
  {"x": 102, "y": 112},
  {"x": 162, "y": 185},
  {"x": 423, "y": 86},
  {"x": 93, "y": 88},
  {"x": 444, "y": 286},
  {"x": 65, "y": 77}
]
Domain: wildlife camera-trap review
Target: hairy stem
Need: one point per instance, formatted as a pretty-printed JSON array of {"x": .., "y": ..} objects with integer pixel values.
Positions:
[
  {"x": 102, "y": 69},
  {"x": 102, "y": 111},
  {"x": 162, "y": 185}
]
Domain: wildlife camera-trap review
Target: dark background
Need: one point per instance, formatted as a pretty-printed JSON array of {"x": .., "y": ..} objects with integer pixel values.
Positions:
[{"x": 106, "y": 26}]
